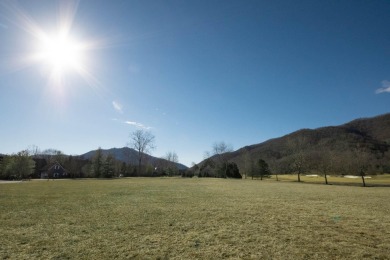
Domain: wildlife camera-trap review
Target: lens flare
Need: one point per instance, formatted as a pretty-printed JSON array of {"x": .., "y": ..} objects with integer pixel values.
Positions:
[
  {"x": 58, "y": 53},
  {"x": 62, "y": 52}
]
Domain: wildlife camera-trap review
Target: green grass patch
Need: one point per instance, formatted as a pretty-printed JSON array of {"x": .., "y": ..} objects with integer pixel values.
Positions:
[{"x": 174, "y": 218}]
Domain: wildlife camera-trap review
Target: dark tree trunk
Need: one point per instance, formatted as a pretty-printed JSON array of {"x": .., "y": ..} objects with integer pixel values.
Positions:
[
  {"x": 362, "y": 175},
  {"x": 139, "y": 165}
]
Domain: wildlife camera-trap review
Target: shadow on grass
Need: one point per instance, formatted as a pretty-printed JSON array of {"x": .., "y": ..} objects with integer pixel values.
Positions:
[{"x": 353, "y": 184}]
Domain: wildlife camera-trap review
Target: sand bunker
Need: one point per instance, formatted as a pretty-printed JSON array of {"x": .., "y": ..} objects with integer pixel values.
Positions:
[{"x": 355, "y": 177}]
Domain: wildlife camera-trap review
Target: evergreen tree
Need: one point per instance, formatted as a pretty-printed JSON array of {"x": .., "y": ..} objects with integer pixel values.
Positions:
[
  {"x": 263, "y": 171},
  {"x": 123, "y": 170},
  {"x": 232, "y": 171},
  {"x": 97, "y": 164},
  {"x": 108, "y": 167}
]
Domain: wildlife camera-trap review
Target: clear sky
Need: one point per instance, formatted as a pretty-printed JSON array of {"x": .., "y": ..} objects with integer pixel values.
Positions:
[{"x": 191, "y": 72}]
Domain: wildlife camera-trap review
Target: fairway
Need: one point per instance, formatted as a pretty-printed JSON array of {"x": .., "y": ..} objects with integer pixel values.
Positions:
[{"x": 175, "y": 218}]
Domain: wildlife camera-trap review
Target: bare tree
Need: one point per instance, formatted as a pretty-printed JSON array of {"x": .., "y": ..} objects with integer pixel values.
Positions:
[
  {"x": 172, "y": 157},
  {"x": 275, "y": 168},
  {"x": 220, "y": 150},
  {"x": 248, "y": 163},
  {"x": 361, "y": 164},
  {"x": 196, "y": 169},
  {"x": 172, "y": 160},
  {"x": 143, "y": 142},
  {"x": 322, "y": 162},
  {"x": 51, "y": 155},
  {"x": 206, "y": 155},
  {"x": 298, "y": 155},
  {"x": 34, "y": 150}
]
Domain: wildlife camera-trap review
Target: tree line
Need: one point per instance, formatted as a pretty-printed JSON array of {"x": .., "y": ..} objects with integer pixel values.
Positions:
[
  {"x": 31, "y": 162},
  {"x": 218, "y": 163}
]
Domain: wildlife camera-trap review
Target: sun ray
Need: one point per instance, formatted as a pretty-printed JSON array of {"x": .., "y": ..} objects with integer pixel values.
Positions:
[{"x": 58, "y": 52}]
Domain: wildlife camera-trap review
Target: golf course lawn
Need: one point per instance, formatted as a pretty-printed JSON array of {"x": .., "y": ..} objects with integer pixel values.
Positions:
[{"x": 198, "y": 218}]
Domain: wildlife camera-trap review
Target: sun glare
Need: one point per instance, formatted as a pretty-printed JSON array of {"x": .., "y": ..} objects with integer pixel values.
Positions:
[
  {"x": 58, "y": 53},
  {"x": 62, "y": 53}
]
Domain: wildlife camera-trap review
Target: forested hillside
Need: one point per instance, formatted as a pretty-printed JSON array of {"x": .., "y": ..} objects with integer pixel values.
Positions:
[
  {"x": 360, "y": 145},
  {"x": 129, "y": 156}
]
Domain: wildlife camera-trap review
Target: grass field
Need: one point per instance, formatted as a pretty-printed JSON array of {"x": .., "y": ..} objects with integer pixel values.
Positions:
[
  {"x": 372, "y": 180},
  {"x": 174, "y": 218}
]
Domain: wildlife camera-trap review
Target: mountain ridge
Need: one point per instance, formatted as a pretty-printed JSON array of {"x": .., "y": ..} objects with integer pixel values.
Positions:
[
  {"x": 368, "y": 138},
  {"x": 127, "y": 155}
]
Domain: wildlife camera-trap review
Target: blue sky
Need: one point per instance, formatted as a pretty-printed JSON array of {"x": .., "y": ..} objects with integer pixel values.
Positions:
[{"x": 191, "y": 72}]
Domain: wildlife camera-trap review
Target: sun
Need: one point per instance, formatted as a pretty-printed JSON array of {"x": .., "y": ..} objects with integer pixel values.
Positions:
[{"x": 61, "y": 53}]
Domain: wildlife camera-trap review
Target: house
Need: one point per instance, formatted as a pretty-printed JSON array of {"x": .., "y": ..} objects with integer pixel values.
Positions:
[{"x": 54, "y": 171}]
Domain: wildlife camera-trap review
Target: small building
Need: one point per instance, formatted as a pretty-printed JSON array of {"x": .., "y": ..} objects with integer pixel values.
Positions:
[{"x": 54, "y": 171}]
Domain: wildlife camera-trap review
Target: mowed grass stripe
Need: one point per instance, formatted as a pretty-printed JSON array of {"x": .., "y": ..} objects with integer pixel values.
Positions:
[{"x": 174, "y": 218}]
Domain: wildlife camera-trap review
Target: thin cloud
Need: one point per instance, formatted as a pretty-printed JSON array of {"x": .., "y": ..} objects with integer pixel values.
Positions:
[
  {"x": 385, "y": 87},
  {"x": 117, "y": 106},
  {"x": 132, "y": 123},
  {"x": 136, "y": 124}
]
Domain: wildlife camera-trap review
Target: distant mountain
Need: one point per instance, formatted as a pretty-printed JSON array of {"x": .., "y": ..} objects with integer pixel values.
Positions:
[
  {"x": 341, "y": 146},
  {"x": 124, "y": 154},
  {"x": 127, "y": 155}
]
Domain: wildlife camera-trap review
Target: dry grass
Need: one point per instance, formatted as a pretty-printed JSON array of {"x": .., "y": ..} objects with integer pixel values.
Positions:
[
  {"x": 173, "y": 218},
  {"x": 372, "y": 180}
]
